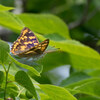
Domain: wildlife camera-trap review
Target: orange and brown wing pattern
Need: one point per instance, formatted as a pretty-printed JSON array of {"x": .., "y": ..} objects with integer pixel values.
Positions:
[
  {"x": 25, "y": 41},
  {"x": 42, "y": 46},
  {"x": 36, "y": 50}
]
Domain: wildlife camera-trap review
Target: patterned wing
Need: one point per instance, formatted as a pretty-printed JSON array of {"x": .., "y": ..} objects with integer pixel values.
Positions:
[
  {"x": 41, "y": 47},
  {"x": 36, "y": 50},
  {"x": 25, "y": 41}
]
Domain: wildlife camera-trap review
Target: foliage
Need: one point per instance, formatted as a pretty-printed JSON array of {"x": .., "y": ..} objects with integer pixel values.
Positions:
[{"x": 22, "y": 80}]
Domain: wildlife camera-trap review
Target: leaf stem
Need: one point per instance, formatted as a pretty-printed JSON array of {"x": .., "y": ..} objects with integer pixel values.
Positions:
[
  {"x": 4, "y": 67},
  {"x": 20, "y": 92},
  {"x": 6, "y": 72}
]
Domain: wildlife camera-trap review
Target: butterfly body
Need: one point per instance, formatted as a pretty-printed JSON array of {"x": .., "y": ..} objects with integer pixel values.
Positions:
[{"x": 27, "y": 45}]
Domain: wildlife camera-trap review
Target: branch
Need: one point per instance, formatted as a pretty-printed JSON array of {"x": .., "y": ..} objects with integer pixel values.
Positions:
[{"x": 83, "y": 19}]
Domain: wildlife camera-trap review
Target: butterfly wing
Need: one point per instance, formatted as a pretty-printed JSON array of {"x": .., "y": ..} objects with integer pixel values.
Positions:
[
  {"x": 36, "y": 50},
  {"x": 25, "y": 41},
  {"x": 41, "y": 47}
]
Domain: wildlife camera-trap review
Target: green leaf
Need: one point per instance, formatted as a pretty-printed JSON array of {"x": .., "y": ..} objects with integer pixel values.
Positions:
[
  {"x": 28, "y": 95},
  {"x": 45, "y": 24},
  {"x": 39, "y": 68},
  {"x": 76, "y": 48},
  {"x": 75, "y": 77},
  {"x": 30, "y": 68},
  {"x": 11, "y": 21},
  {"x": 88, "y": 86},
  {"x": 1, "y": 77},
  {"x": 4, "y": 8},
  {"x": 4, "y": 49},
  {"x": 89, "y": 98},
  {"x": 80, "y": 56},
  {"x": 44, "y": 96},
  {"x": 13, "y": 69},
  {"x": 23, "y": 79},
  {"x": 57, "y": 93},
  {"x": 56, "y": 62},
  {"x": 14, "y": 93},
  {"x": 94, "y": 73}
]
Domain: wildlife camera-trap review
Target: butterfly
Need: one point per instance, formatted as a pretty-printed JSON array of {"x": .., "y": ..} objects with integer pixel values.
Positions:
[{"x": 27, "y": 44}]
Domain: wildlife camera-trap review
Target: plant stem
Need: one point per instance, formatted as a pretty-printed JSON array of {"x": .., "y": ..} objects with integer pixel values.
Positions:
[
  {"x": 4, "y": 67},
  {"x": 6, "y": 72},
  {"x": 20, "y": 92}
]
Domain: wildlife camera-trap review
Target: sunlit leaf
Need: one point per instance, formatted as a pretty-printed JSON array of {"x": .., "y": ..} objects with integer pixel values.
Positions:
[
  {"x": 4, "y": 8},
  {"x": 57, "y": 93},
  {"x": 10, "y": 20},
  {"x": 45, "y": 24},
  {"x": 80, "y": 55},
  {"x": 44, "y": 96}
]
